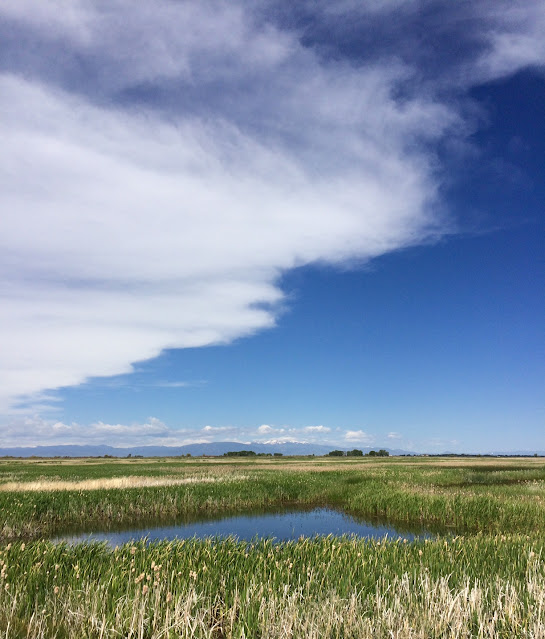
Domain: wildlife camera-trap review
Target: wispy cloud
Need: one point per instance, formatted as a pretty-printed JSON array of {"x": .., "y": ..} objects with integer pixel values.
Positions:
[
  {"x": 185, "y": 219},
  {"x": 316, "y": 429},
  {"x": 440, "y": 445},
  {"x": 394, "y": 435},
  {"x": 178, "y": 384},
  {"x": 26, "y": 430},
  {"x": 36, "y": 431},
  {"x": 218, "y": 429},
  {"x": 152, "y": 200}
]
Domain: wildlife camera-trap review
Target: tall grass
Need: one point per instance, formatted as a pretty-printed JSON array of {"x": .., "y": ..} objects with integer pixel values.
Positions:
[
  {"x": 478, "y": 584},
  {"x": 469, "y": 498},
  {"x": 27, "y": 515},
  {"x": 323, "y": 587}
]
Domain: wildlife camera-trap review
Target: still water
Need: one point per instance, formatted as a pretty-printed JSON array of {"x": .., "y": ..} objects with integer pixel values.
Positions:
[{"x": 282, "y": 526}]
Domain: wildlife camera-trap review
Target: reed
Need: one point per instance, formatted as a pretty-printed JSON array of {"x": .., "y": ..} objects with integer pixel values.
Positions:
[
  {"x": 482, "y": 586},
  {"x": 460, "y": 498},
  {"x": 484, "y": 578}
]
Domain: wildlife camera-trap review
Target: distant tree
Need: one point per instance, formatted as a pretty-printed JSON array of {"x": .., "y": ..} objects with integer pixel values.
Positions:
[
  {"x": 240, "y": 453},
  {"x": 336, "y": 453},
  {"x": 279, "y": 454},
  {"x": 372, "y": 453},
  {"x": 355, "y": 453},
  {"x": 383, "y": 453}
]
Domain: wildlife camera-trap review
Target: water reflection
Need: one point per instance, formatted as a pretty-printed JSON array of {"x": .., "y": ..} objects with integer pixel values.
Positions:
[{"x": 282, "y": 526}]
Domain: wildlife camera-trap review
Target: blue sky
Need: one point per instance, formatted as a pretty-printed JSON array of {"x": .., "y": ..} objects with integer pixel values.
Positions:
[{"x": 265, "y": 222}]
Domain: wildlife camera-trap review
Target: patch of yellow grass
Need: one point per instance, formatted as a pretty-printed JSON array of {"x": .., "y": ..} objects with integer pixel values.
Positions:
[{"x": 112, "y": 482}]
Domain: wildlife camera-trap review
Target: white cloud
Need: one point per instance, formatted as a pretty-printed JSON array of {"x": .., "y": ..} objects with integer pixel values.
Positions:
[
  {"x": 359, "y": 436},
  {"x": 217, "y": 429},
  {"x": 394, "y": 435},
  {"x": 133, "y": 225},
  {"x": 264, "y": 429},
  {"x": 173, "y": 384},
  {"x": 495, "y": 37},
  {"x": 514, "y": 34},
  {"x": 125, "y": 232},
  {"x": 26, "y": 430},
  {"x": 37, "y": 431},
  {"x": 316, "y": 429},
  {"x": 156, "y": 258}
]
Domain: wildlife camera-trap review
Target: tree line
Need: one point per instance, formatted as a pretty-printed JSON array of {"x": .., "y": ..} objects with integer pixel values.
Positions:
[{"x": 359, "y": 453}]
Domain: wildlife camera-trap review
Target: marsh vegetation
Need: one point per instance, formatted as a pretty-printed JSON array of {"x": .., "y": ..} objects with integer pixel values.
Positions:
[{"x": 483, "y": 576}]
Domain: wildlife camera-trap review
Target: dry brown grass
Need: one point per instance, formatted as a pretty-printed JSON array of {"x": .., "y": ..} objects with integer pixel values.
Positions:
[
  {"x": 358, "y": 463},
  {"x": 288, "y": 463},
  {"x": 113, "y": 482}
]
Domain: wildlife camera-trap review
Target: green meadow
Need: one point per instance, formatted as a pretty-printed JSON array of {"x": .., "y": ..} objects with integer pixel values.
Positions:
[{"x": 481, "y": 575}]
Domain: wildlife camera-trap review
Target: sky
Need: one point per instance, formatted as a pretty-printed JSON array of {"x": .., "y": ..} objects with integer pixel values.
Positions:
[{"x": 271, "y": 221}]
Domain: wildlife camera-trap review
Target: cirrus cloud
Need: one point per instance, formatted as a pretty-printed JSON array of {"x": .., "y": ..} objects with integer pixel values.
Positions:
[
  {"x": 175, "y": 160},
  {"x": 126, "y": 232},
  {"x": 316, "y": 429}
]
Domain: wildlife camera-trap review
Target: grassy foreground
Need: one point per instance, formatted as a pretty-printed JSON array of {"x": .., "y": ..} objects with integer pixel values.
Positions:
[
  {"x": 329, "y": 587},
  {"x": 489, "y": 581}
]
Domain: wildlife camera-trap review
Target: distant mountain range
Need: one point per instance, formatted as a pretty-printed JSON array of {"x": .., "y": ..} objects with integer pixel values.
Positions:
[
  {"x": 195, "y": 450},
  {"x": 215, "y": 449}
]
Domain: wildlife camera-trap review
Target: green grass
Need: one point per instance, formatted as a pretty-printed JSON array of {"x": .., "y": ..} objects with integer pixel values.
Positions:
[
  {"x": 321, "y": 587},
  {"x": 488, "y": 581},
  {"x": 462, "y": 499}
]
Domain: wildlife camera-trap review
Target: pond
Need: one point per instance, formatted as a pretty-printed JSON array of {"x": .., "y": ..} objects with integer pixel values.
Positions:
[{"x": 282, "y": 526}]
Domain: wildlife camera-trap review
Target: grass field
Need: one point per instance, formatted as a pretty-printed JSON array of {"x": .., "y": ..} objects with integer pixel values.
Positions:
[{"x": 483, "y": 576}]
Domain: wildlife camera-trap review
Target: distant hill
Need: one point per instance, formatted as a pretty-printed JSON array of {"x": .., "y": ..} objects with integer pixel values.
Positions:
[
  {"x": 215, "y": 449},
  {"x": 196, "y": 450}
]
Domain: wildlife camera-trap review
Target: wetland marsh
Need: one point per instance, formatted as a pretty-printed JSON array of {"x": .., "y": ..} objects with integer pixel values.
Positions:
[{"x": 482, "y": 575}]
